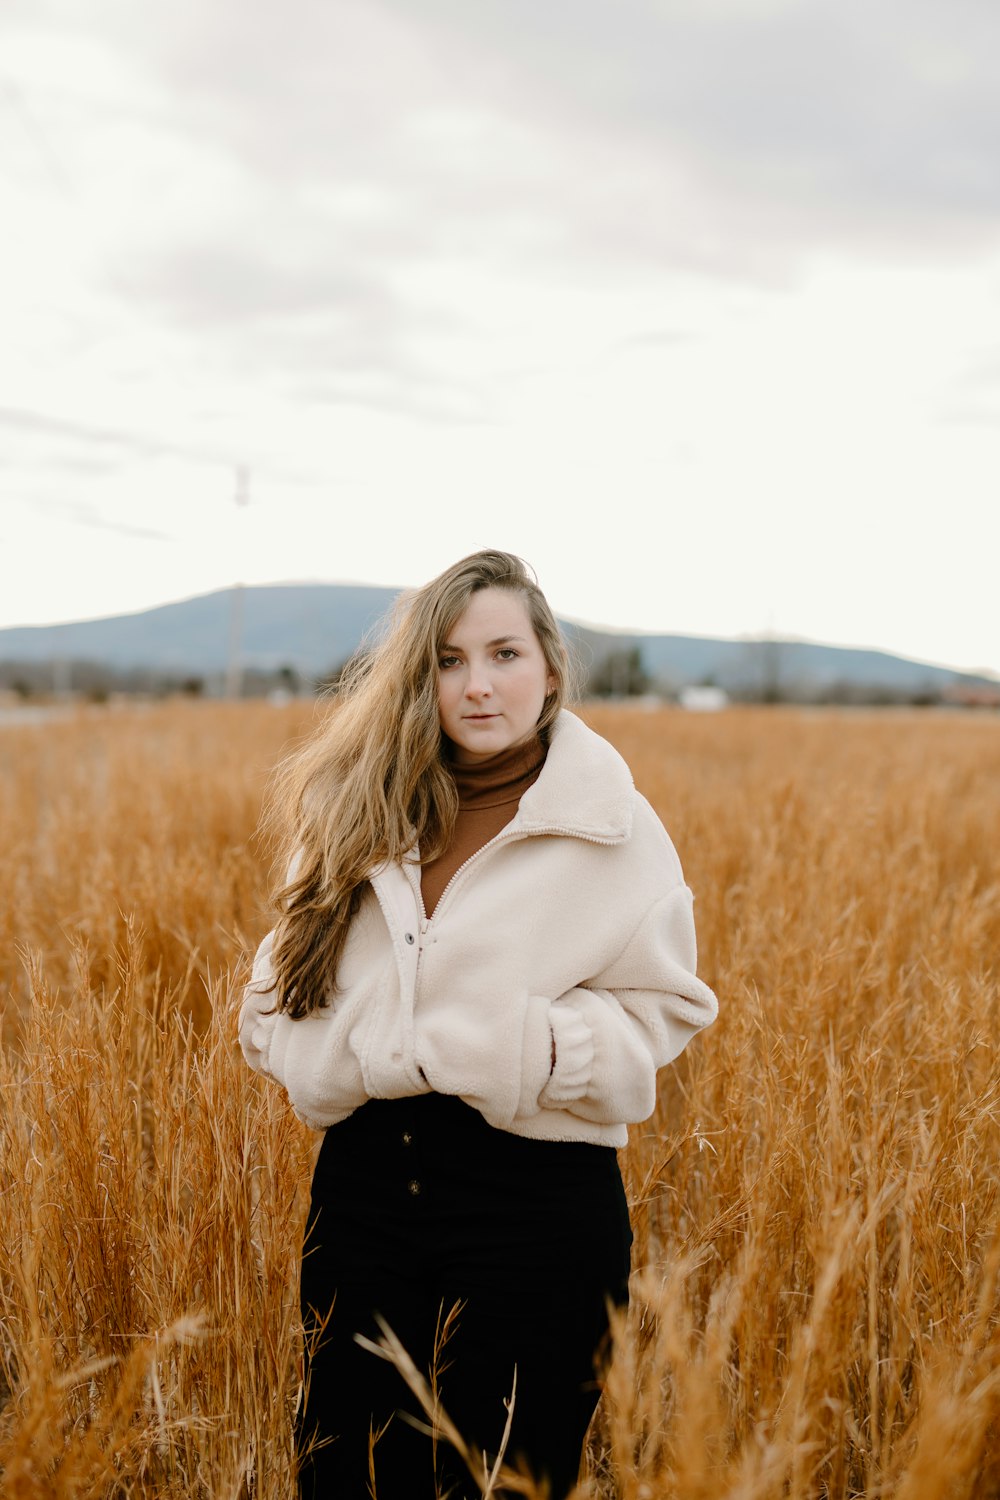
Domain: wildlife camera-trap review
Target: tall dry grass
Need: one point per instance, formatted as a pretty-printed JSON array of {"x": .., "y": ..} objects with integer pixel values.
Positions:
[{"x": 815, "y": 1309}]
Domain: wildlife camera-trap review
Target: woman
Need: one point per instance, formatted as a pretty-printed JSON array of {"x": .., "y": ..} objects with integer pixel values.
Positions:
[{"x": 484, "y": 952}]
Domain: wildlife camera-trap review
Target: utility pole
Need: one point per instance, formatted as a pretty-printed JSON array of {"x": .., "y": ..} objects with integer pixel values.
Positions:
[{"x": 234, "y": 673}]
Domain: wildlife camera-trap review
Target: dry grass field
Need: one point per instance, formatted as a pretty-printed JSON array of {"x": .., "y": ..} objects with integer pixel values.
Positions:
[{"x": 816, "y": 1302}]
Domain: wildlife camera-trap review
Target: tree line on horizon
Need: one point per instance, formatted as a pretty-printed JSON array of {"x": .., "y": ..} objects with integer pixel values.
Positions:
[{"x": 615, "y": 674}]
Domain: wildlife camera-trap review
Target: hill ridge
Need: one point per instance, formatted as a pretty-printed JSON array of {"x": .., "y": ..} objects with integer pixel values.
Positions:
[{"x": 312, "y": 627}]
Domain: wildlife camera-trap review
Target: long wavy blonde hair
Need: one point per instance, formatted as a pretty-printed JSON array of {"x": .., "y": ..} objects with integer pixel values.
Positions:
[{"x": 373, "y": 780}]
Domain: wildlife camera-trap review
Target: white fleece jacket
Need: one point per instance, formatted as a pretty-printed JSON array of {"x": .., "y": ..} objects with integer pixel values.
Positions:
[{"x": 572, "y": 924}]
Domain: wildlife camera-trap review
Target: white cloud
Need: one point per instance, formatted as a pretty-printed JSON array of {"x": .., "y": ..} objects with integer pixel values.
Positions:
[{"x": 693, "y": 304}]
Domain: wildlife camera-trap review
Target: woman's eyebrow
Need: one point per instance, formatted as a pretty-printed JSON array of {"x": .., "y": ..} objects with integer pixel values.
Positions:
[{"x": 500, "y": 640}]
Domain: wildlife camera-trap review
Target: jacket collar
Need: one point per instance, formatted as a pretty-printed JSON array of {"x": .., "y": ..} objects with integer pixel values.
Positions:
[{"x": 585, "y": 788}]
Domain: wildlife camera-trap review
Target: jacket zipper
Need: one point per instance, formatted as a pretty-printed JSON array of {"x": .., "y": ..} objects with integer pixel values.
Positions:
[{"x": 504, "y": 837}]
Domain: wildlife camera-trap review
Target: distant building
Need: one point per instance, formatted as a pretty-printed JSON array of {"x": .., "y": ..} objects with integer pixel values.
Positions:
[
  {"x": 972, "y": 695},
  {"x": 703, "y": 700}
]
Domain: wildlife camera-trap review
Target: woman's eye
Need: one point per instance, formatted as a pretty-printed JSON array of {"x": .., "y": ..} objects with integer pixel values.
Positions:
[
  {"x": 507, "y": 653},
  {"x": 445, "y": 662}
]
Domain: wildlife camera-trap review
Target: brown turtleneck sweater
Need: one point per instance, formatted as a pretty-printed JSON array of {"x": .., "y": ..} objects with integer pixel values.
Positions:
[{"x": 488, "y": 794}]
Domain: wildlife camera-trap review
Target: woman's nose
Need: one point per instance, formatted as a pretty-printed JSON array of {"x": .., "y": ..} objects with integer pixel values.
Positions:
[{"x": 478, "y": 684}]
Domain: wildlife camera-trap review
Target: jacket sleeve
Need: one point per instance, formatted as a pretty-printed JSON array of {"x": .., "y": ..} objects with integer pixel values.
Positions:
[
  {"x": 613, "y": 1033},
  {"x": 265, "y": 1033},
  {"x": 314, "y": 1058},
  {"x": 257, "y": 1013}
]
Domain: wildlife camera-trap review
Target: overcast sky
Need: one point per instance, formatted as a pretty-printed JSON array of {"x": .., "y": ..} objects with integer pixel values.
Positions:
[{"x": 693, "y": 303}]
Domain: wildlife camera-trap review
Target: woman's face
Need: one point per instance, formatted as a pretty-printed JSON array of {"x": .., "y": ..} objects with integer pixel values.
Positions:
[{"x": 492, "y": 676}]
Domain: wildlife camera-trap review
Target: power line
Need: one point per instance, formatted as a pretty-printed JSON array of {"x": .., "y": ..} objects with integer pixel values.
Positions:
[
  {"x": 52, "y": 163},
  {"x": 148, "y": 445}
]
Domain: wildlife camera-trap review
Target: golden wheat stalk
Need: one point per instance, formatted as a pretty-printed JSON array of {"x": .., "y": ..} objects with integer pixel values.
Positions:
[{"x": 816, "y": 1204}]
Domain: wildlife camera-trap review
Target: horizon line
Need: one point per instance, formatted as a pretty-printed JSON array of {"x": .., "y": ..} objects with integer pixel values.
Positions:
[{"x": 988, "y": 673}]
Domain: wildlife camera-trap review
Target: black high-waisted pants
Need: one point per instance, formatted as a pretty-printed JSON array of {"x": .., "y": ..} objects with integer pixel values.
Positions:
[{"x": 417, "y": 1204}]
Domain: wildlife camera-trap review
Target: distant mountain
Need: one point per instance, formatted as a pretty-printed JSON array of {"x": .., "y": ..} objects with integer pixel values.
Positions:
[
  {"x": 789, "y": 668},
  {"x": 314, "y": 627},
  {"x": 309, "y": 626}
]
